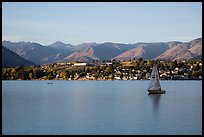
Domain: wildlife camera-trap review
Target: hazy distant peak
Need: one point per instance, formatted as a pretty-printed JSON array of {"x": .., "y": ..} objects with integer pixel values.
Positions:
[
  {"x": 5, "y": 41},
  {"x": 58, "y": 42},
  {"x": 34, "y": 43},
  {"x": 88, "y": 43},
  {"x": 107, "y": 43},
  {"x": 25, "y": 42},
  {"x": 198, "y": 39},
  {"x": 60, "y": 45}
]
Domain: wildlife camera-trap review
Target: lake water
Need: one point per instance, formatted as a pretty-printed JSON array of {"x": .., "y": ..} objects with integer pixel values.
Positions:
[{"x": 101, "y": 107}]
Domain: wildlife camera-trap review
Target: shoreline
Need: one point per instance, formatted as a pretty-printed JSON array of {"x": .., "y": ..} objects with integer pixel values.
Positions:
[{"x": 105, "y": 80}]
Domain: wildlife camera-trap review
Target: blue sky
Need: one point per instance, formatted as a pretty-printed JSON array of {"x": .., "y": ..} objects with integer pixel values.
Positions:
[{"x": 82, "y": 22}]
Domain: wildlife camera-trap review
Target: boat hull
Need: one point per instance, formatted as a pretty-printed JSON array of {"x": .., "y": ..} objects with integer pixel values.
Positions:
[{"x": 156, "y": 91}]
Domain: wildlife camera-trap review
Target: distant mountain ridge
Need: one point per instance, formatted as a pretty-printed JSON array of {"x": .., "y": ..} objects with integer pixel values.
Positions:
[
  {"x": 183, "y": 51},
  {"x": 59, "y": 51},
  {"x": 11, "y": 59},
  {"x": 60, "y": 45},
  {"x": 144, "y": 50}
]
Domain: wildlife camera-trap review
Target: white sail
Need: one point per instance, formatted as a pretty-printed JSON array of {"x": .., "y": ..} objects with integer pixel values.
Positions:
[{"x": 154, "y": 80}]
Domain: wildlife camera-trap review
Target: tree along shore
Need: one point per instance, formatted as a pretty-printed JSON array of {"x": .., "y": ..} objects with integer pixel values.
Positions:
[{"x": 106, "y": 70}]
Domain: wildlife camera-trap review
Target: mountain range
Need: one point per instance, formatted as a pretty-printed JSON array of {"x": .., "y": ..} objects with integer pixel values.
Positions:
[
  {"x": 59, "y": 51},
  {"x": 11, "y": 59}
]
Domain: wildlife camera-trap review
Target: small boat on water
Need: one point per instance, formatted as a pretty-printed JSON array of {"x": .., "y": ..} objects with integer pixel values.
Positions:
[{"x": 155, "y": 87}]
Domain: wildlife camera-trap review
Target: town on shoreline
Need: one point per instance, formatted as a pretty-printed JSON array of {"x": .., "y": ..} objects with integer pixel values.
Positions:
[{"x": 136, "y": 69}]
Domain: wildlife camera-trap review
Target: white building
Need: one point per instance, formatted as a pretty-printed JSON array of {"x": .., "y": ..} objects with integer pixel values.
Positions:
[
  {"x": 108, "y": 63},
  {"x": 80, "y": 64}
]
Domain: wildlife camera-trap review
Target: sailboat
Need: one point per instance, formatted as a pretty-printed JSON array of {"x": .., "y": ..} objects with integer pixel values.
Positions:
[{"x": 155, "y": 87}]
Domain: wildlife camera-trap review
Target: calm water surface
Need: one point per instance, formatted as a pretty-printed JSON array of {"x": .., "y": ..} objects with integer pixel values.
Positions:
[{"x": 101, "y": 107}]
